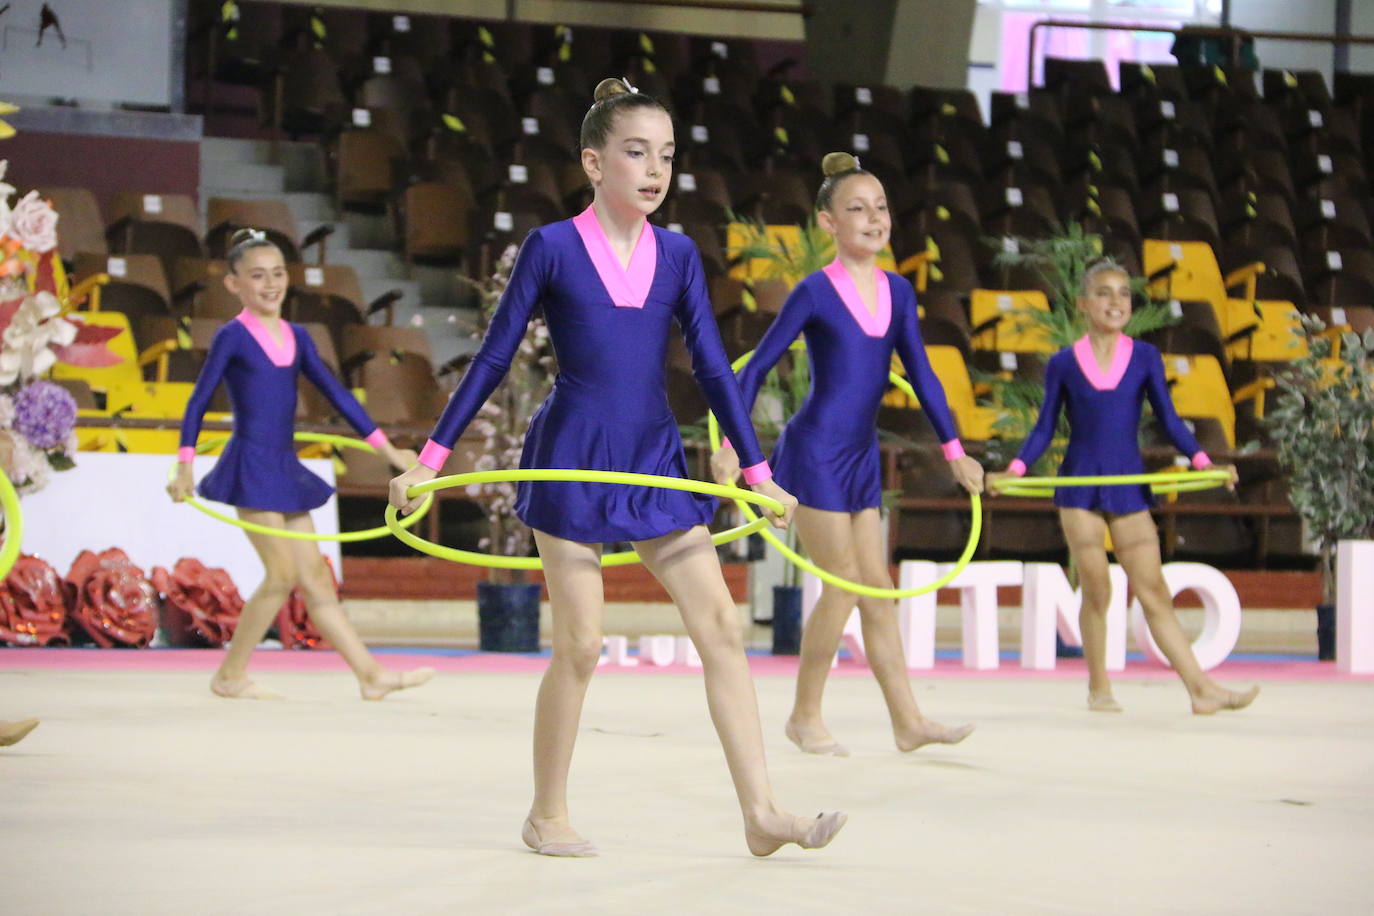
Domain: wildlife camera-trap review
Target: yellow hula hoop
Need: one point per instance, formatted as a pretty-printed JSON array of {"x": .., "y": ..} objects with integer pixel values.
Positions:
[
  {"x": 1161, "y": 482},
  {"x": 14, "y": 525},
  {"x": 858, "y": 588},
  {"x": 624, "y": 558},
  {"x": 365, "y": 534}
]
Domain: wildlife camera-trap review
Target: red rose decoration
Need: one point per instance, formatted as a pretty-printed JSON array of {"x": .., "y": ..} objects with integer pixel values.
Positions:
[
  {"x": 294, "y": 626},
  {"x": 200, "y": 606},
  {"x": 33, "y": 605},
  {"x": 115, "y": 603}
]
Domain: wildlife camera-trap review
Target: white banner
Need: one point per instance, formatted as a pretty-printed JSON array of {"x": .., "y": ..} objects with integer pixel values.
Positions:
[{"x": 120, "y": 500}]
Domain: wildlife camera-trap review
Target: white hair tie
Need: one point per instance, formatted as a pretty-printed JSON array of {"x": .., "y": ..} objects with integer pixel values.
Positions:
[{"x": 626, "y": 81}]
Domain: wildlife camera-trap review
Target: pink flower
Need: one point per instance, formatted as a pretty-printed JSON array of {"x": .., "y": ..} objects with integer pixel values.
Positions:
[{"x": 33, "y": 223}]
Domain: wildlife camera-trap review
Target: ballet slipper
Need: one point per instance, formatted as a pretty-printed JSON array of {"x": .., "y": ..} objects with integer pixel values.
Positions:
[
  {"x": 241, "y": 688},
  {"x": 806, "y": 833},
  {"x": 578, "y": 849},
  {"x": 389, "y": 681},
  {"x": 831, "y": 748},
  {"x": 1102, "y": 702},
  {"x": 934, "y": 733},
  {"x": 1229, "y": 699},
  {"x": 14, "y": 732}
]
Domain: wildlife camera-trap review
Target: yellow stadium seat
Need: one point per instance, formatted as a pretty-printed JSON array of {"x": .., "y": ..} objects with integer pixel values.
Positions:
[
  {"x": 974, "y": 422},
  {"x": 1278, "y": 336},
  {"x": 109, "y": 380},
  {"x": 1199, "y": 389},
  {"x": 1000, "y": 323}
]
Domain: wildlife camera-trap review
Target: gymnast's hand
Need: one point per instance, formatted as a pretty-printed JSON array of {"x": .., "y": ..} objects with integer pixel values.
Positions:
[
  {"x": 183, "y": 484},
  {"x": 399, "y": 485},
  {"x": 991, "y": 477},
  {"x": 968, "y": 472},
  {"x": 789, "y": 502},
  {"x": 402, "y": 459},
  {"x": 725, "y": 465},
  {"x": 1230, "y": 469}
]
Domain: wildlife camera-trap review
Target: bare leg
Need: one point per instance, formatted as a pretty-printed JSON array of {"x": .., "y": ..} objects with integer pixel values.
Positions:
[
  {"x": 231, "y": 680},
  {"x": 839, "y": 540},
  {"x": 572, "y": 573},
  {"x": 1085, "y": 531},
  {"x": 1137, "y": 547},
  {"x": 322, "y": 603},
  {"x": 827, "y": 537},
  {"x": 686, "y": 563}
]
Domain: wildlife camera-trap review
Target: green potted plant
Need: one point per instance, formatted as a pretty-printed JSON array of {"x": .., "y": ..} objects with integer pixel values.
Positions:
[
  {"x": 507, "y": 603},
  {"x": 1322, "y": 424}
]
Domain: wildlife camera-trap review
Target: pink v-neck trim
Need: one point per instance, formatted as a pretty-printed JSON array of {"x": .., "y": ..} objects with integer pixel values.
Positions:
[
  {"x": 872, "y": 325},
  {"x": 628, "y": 288},
  {"x": 1121, "y": 358},
  {"x": 281, "y": 354}
]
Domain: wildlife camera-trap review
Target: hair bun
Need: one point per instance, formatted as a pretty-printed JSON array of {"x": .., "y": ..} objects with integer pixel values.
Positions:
[
  {"x": 609, "y": 88},
  {"x": 835, "y": 163},
  {"x": 246, "y": 235}
]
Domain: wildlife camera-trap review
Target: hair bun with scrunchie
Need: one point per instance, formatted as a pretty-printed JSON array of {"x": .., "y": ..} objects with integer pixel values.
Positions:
[
  {"x": 835, "y": 163},
  {"x": 611, "y": 87}
]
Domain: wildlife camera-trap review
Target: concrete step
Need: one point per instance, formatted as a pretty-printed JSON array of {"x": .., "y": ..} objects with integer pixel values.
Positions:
[
  {"x": 310, "y": 205},
  {"x": 371, "y": 231},
  {"x": 242, "y": 179},
  {"x": 304, "y": 167},
  {"x": 444, "y": 287},
  {"x": 220, "y": 150},
  {"x": 372, "y": 263}
]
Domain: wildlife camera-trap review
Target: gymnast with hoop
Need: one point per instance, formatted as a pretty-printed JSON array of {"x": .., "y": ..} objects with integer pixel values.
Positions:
[
  {"x": 1103, "y": 381},
  {"x": 610, "y": 286},
  {"x": 853, "y": 316},
  {"x": 259, "y": 356}
]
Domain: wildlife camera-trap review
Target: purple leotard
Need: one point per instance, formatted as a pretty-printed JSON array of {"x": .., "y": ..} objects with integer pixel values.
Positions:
[
  {"x": 258, "y": 468},
  {"x": 828, "y": 455},
  {"x": 1104, "y": 421},
  {"x": 609, "y": 406}
]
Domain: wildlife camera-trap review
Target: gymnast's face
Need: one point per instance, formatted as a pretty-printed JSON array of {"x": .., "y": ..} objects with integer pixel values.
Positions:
[
  {"x": 259, "y": 280},
  {"x": 634, "y": 170},
  {"x": 858, "y": 217},
  {"x": 1107, "y": 302}
]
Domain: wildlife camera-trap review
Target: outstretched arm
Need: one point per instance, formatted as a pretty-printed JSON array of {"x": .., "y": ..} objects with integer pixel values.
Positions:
[
  {"x": 347, "y": 405},
  {"x": 911, "y": 348},
  {"x": 211, "y": 374},
  {"x": 523, "y": 292},
  {"x": 1043, "y": 431}
]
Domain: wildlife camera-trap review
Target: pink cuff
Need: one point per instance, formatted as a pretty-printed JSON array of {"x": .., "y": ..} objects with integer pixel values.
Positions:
[
  {"x": 433, "y": 455},
  {"x": 186, "y": 454},
  {"x": 953, "y": 449},
  {"x": 1017, "y": 468},
  {"x": 725, "y": 443},
  {"x": 1200, "y": 461},
  {"x": 757, "y": 473},
  {"x": 377, "y": 439}
]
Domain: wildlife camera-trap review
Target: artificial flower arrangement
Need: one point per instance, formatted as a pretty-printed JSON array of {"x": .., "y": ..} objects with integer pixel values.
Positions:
[{"x": 37, "y": 331}]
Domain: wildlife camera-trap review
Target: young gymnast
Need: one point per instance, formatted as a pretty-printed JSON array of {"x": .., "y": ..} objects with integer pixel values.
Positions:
[
  {"x": 610, "y": 286},
  {"x": 259, "y": 356},
  {"x": 853, "y": 315},
  {"x": 1103, "y": 379}
]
